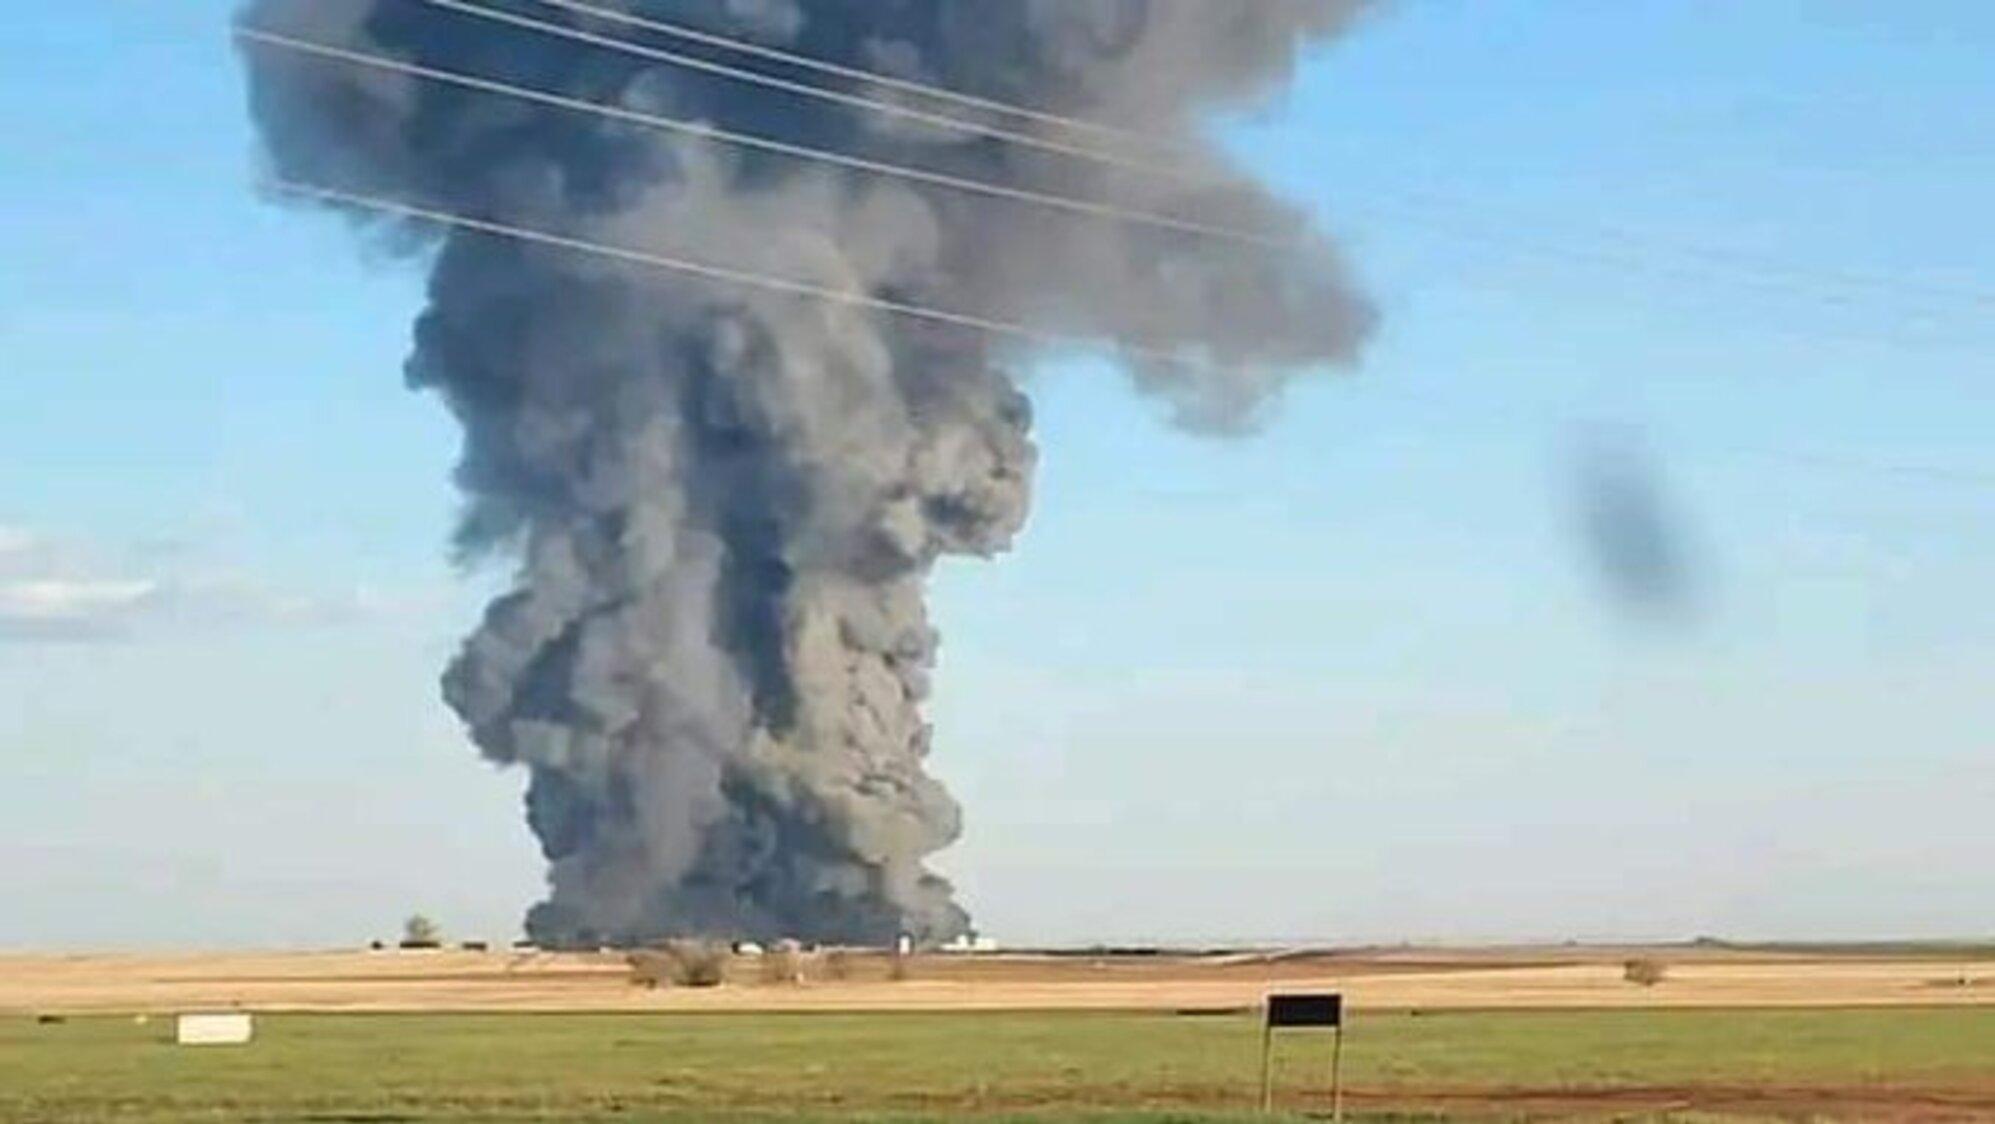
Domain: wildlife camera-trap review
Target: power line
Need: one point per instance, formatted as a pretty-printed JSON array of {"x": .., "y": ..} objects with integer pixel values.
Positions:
[
  {"x": 726, "y": 275},
  {"x": 1831, "y": 462},
  {"x": 721, "y": 274},
  {"x": 1770, "y": 276},
  {"x": 805, "y": 89},
  {"x": 1596, "y": 255},
  {"x": 1613, "y": 246},
  {"x": 711, "y": 133},
  {"x": 1956, "y": 476},
  {"x": 1687, "y": 289},
  {"x": 1432, "y": 201},
  {"x": 822, "y": 66}
]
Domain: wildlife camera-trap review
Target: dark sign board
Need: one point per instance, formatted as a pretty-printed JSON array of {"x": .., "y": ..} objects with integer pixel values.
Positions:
[{"x": 1305, "y": 1011}]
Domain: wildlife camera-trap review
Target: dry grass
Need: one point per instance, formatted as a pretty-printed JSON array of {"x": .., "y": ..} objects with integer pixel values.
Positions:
[{"x": 457, "y": 980}]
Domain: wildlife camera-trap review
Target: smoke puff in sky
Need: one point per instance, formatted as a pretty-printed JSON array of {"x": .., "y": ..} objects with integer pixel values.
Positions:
[
  {"x": 1631, "y": 531},
  {"x": 724, "y": 504}
]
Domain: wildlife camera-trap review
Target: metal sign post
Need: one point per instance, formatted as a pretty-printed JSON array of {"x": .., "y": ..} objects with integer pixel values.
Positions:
[{"x": 1304, "y": 1012}]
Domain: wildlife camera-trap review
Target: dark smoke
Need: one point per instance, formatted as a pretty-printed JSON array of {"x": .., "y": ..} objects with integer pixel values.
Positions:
[
  {"x": 1633, "y": 532},
  {"x": 725, "y": 503}
]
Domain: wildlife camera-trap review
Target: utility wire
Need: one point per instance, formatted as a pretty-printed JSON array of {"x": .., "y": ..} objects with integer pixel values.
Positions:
[
  {"x": 1931, "y": 474},
  {"x": 739, "y": 45},
  {"x": 711, "y": 133},
  {"x": 805, "y": 89},
  {"x": 729, "y": 276},
  {"x": 1402, "y": 201},
  {"x": 1427, "y": 200},
  {"x": 1613, "y": 245},
  {"x": 1687, "y": 287},
  {"x": 1596, "y": 256},
  {"x": 721, "y": 274},
  {"x": 726, "y": 275}
]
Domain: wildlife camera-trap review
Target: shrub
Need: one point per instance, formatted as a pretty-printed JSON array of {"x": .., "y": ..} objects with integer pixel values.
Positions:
[
  {"x": 649, "y": 968},
  {"x": 837, "y": 964},
  {"x": 420, "y": 932},
  {"x": 697, "y": 963},
  {"x": 783, "y": 963},
  {"x": 681, "y": 963},
  {"x": 1645, "y": 971}
]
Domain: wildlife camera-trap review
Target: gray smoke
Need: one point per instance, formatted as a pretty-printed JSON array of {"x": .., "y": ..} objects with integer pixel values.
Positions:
[
  {"x": 1632, "y": 531},
  {"x": 724, "y": 503}
]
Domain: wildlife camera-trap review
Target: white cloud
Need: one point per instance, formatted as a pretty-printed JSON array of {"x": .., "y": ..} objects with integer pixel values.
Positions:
[
  {"x": 15, "y": 540},
  {"x": 56, "y": 600},
  {"x": 66, "y": 609},
  {"x": 51, "y": 594}
]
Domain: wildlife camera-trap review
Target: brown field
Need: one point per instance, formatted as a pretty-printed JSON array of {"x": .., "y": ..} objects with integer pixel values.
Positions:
[{"x": 499, "y": 981}]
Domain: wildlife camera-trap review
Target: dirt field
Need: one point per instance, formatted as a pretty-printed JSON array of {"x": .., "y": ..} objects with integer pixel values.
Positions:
[{"x": 455, "y": 981}]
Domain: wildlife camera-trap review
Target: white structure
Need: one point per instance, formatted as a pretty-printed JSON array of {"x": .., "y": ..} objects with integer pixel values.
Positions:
[
  {"x": 233, "y": 1029},
  {"x": 972, "y": 944}
]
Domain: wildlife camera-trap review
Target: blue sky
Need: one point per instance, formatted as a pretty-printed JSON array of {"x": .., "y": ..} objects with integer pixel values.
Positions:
[{"x": 1354, "y": 677}]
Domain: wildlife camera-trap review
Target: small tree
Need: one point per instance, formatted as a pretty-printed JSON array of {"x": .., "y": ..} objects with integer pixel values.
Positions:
[
  {"x": 783, "y": 963},
  {"x": 697, "y": 963},
  {"x": 679, "y": 963},
  {"x": 1645, "y": 971},
  {"x": 421, "y": 932},
  {"x": 650, "y": 969}
]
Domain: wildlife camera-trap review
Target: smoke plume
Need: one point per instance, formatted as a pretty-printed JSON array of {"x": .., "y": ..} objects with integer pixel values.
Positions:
[
  {"x": 1632, "y": 531},
  {"x": 724, "y": 502}
]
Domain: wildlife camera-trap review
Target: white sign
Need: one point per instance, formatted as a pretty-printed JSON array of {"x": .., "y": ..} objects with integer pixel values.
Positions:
[{"x": 214, "y": 1030}]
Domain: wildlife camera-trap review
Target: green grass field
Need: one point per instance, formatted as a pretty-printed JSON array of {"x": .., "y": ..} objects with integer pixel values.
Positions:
[{"x": 1037, "y": 1066}]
